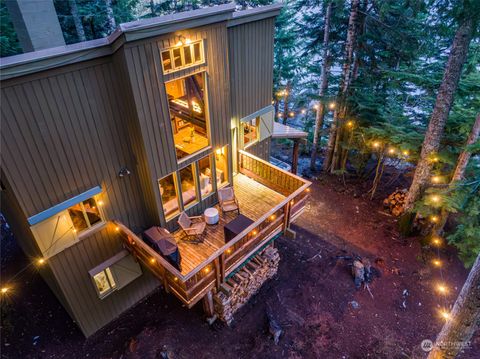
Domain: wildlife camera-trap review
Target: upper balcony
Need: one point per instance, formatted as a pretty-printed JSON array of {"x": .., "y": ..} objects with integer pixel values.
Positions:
[{"x": 268, "y": 195}]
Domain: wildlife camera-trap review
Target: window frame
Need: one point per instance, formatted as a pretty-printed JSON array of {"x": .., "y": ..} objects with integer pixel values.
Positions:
[
  {"x": 90, "y": 228},
  {"x": 182, "y": 48},
  {"x": 176, "y": 182},
  {"x": 111, "y": 288},
  {"x": 196, "y": 185},
  {"x": 257, "y": 131}
]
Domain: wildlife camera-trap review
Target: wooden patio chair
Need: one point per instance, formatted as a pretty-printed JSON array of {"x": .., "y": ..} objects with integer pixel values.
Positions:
[
  {"x": 193, "y": 227},
  {"x": 227, "y": 199}
]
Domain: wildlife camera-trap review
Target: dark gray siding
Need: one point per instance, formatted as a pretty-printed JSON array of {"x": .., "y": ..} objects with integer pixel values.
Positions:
[
  {"x": 63, "y": 132},
  {"x": 251, "y": 66}
]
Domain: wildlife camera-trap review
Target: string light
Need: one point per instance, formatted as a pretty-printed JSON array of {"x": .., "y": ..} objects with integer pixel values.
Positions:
[
  {"x": 437, "y": 263},
  {"x": 272, "y": 217},
  {"x": 436, "y": 179},
  {"x": 117, "y": 229},
  {"x": 436, "y": 241},
  {"x": 350, "y": 123},
  {"x": 254, "y": 232},
  {"x": 304, "y": 112},
  {"x": 206, "y": 270},
  {"x": 331, "y": 105},
  {"x": 376, "y": 144},
  {"x": 41, "y": 261},
  {"x": 445, "y": 314},
  {"x": 405, "y": 153},
  {"x": 292, "y": 114},
  {"x": 229, "y": 250},
  {"x": 391, "y": 151},
  {"x": 279, "y": 115},
  {"x": 435, "y": 198},
  {"x": 434, "y": 219},
  {"x": 315, "y": 107},
  {"x": 442, "y": 289},
  {"x": 100, "y": 203}
]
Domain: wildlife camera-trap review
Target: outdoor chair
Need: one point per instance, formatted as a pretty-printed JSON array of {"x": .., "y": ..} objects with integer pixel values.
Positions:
[
  {"x": 193, "y": 227},
  {"x": 227, "y": 199}
]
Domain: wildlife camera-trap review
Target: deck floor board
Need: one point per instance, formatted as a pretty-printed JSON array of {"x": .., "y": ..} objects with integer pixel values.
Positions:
[{"x": 254, "y": 199}]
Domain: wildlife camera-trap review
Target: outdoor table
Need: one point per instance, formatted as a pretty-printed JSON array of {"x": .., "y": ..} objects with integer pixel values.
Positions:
[
  {"x": 211, "y": 215},
  {"x": 236, "y": 226}
]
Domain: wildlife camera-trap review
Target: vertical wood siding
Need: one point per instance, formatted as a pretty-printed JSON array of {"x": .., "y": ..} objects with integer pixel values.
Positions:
[
  {"x": 251, "y": 66},
  {"x": 63, "y": 132}
]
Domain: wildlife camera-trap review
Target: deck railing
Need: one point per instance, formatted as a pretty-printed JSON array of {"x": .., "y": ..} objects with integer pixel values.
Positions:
[{"x": 214, "y": 270}]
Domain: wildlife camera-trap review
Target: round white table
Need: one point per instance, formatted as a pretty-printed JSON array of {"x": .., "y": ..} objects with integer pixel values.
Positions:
[{"x": 211, "y": 215}]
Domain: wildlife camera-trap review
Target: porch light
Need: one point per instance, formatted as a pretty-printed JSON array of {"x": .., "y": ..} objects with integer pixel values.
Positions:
[
  {"x": 254, "y": 232},
  {"x": 100, "y": 203},
  {"x": 272, "y": 217},
  {"x": 229, "y": 250},
  {"x": 152, "y": 260},
  {"x": 206, "y": 270},
  {"x": 4, "y": 290}
]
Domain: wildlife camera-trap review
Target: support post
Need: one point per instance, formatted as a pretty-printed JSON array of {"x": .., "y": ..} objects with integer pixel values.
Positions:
[
  {"x": 296, "y": 145},
  {"x": 208, "y": 304}
]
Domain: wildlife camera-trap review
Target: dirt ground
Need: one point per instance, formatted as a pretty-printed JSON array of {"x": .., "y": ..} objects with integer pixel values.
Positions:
[{"x": 311, "y": 298}]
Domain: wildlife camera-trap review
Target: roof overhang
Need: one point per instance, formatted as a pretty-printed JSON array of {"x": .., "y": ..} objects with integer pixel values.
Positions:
[
  {"x": 284, "y": 131},
  {"x": 31, "y": 62}
]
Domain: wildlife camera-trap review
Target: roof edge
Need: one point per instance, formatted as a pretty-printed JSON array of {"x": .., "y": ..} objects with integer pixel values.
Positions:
[{"x": 255, "y": 14}]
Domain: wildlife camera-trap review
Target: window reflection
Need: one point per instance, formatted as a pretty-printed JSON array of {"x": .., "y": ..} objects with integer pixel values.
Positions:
[
  {"x": 187, "y": 112},
  {"x": 250, "y": 131},
  {"x": 187, "y": 179},
  {"x": 169, "y": 196},
  {"x": 205, "y": 173},
  {"x": 221, "y": 163},
  {"x": 85, "y": 214}
]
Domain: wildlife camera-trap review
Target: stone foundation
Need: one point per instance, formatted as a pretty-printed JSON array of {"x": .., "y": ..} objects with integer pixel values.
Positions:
[{"x": 240, "y": 287}]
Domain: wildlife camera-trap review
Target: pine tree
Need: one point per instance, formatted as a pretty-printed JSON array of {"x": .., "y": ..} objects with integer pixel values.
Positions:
[{"x": 431, "y": 143}]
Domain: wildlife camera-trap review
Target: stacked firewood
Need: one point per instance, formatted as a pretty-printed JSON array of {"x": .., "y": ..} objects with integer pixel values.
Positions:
[
  {"x": 241, "y": 286},
  {"x": 395, "y": 202}
]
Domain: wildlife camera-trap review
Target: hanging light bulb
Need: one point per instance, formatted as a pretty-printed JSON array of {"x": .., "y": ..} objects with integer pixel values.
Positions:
[
  {"x": 315, "y": 106},
  {"x": 350, "y": 123},
  {"x": 406, "y": 153},
  {"x": 376, "y": 144},
  {"x": 331, "y": 105},
  {"x": 436, "y": 179},
  {"x": 291, "y": 114},
  {"x": 304, "y": 112}
]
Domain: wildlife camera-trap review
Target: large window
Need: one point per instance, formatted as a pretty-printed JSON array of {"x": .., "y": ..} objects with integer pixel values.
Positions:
[
  {"x": 221, "y": 163},
  {"x": 250, "y": 131},
  {"x": 205, "y": 173},
  {"x": 186, "y": 101},
  {"x": 85, "y": 214},
  {"x": 187, "y": 180},
  {"x": 182, "y": 56},
  {"x": 168, "y": 192}
]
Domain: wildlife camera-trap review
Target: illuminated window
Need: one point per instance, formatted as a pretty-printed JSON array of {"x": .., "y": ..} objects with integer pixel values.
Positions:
[
  {"x": 104, "y": 282},
  {"x": 168, "y": 191},
  {"x": 221, "y": 164},
  {"x": 187, "y": 180},
  {"x": 183, "y": 56},
  {"x": 85, "y": 214},
  {"x": 186, "y": 102},
  {"x": 250, "y": 131},
  {"x": 205, "y": 173}
]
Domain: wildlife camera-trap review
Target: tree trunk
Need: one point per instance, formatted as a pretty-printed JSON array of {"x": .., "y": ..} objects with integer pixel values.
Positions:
[
  {"x": 431, "y": 143},
  {"x": 464, "y": 319},
  {"x": 464, "y": 157},
  {"x": 344, "y": 85},
  {"x": 111, "y": 25},
  {"x": 77, "y": 21},
  {"x": 285, "y": 103},
  {"x": 462, "y": 163},
  {"x": 323, "y": 87}
]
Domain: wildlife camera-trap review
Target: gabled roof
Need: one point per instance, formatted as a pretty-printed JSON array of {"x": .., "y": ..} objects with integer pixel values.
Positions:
[{"x": 31, "y": 62}]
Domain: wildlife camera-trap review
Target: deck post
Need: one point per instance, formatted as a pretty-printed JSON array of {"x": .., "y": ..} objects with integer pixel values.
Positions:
[
  {"x": 296, "y": 145},
  {"x": 286, "y": 217},
  {"x": 218, "y": 272},
  {"x": 208, "y": 304}
]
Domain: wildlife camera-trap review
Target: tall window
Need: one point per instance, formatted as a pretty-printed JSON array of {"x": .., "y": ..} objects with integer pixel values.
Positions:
[
  {"x": 168, "y": 192},
  {"x": 182, "y": 56},
  {"x": 186, "y": 101},
  {"x": 187, "y": 179},
  {"x": 85, "y": 214},
  {"x": 221, "y": 164},
  {"x": 205, "y": 173},
  {"x": 250, "y": 131}
]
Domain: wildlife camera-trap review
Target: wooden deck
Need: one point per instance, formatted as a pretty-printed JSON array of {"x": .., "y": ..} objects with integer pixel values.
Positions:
[{"x": 254, "y": 199}]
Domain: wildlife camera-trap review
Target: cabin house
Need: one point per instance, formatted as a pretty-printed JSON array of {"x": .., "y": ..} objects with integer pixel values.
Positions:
[{"x": 105, "y": 139}]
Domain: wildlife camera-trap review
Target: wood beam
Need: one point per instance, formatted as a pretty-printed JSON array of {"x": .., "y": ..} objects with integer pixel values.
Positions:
[{"x": 296, "y": 145}]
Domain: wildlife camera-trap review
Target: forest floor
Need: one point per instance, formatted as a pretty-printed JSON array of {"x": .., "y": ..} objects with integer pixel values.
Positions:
[{"x": 313, "y": 297}]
